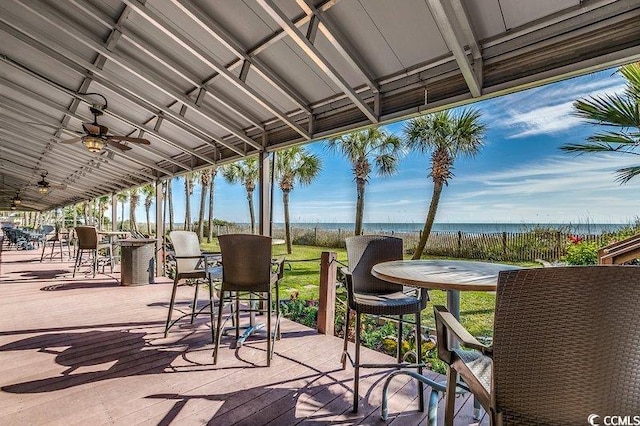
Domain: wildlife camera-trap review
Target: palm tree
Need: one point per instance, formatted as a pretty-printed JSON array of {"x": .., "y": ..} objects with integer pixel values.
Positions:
[
  {"x": 149, "y": 192},
  {"x": 246, "y": 173},
  {"x": 446, "y": 136},
  {"x": 169, "y": 183},
  {"x": 122, "y": 198},
  {"x": 189, "y": 180},
  {"x": 621, "y": 112},
  {"x": 294, "y": 165},
  {"x": 204, "y": 176},
  {"x": 103, "y": 202},
  {"x": 373, "y": 145},
  {"x": 134, "y": 199},
  {"x": 85, "y": 211},
  {"x": 214, "y": 171}
]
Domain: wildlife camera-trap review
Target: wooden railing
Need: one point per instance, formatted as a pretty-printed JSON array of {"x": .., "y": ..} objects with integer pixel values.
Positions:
[{"x": 620, "y": 252}]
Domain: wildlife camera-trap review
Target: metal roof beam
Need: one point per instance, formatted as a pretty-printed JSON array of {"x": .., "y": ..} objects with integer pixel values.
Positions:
[
  {"x": 63, "y": 109},
  {"x": 160, "y": 57},
  {"x": 166, "y": 27},
  {"x": 314, "y": 54},
  {"x": 74, "y": 188},
  {"x": 78, "y": 97},
  {"x": 143, "y": 73},
  {"x": 338, "y": 41},
  {"x": 471, "y": 71},
  {"x": 29, "y": 156},
  {"x": 105, "y": 168},
  {"x": 200, "y": 17}
]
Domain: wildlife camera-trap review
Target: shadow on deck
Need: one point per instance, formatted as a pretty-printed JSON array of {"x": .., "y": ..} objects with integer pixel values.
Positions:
[{"x": 88, "y": 351}]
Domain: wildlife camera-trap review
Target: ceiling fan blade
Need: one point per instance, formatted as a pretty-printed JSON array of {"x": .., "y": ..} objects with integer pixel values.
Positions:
[
  {"x": 95, "y": 129},
  {"x": 72, "y": 140},
  {"x": 129, "y": 139},
  {"x": 118, "y": 145}
]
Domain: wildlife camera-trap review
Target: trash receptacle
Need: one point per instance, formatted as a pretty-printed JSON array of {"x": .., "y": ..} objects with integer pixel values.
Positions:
[{"x": 137, "y": 257}]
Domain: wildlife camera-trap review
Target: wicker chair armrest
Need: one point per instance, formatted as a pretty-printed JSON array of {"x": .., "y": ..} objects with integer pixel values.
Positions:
[
  {"x": 349, "y": 284},
  {"x": 278, "y": 263},
  {"x": 445, "y": 323},
  {"x": 189, "y": 257}
]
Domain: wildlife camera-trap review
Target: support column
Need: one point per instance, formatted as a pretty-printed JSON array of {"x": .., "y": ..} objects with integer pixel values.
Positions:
[
  {"x": 114, "y": 212},
  {"x": 160, "y": 254},
  {"x": 264, "y": 194},
  {"x": 75, "y": 215}
]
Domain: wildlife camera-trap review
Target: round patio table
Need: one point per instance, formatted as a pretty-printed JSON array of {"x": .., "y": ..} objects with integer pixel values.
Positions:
[{"x": 452, "y": 276}]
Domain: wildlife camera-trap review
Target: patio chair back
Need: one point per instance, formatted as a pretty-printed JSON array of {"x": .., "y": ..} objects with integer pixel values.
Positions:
[
  {"x": 566, "y": 344},
  {"x": 87, "y": 237},
  {"x": 246, "y": 262},
  {"x": 365, "y": 251},
  {"x": 47, "y": 229},
  {"x": 186, "y": 243}
]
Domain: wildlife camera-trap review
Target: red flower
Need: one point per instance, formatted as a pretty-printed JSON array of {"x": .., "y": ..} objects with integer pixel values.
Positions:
[{"x": 574, "y": 239}]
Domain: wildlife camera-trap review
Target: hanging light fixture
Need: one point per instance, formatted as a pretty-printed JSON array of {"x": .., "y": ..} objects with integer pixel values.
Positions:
[
  {"x": 93, "y": 143},
  {"x": 16, "y": 200},
  {"x": 43, "y": 185}
]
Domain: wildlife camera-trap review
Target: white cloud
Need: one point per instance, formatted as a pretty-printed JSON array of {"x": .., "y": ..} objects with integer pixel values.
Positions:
[{"x": 554, "y": 117}]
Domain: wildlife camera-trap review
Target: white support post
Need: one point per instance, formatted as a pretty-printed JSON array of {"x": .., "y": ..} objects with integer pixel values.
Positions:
[
  {"x": 159, "y": 228},
  {"x": 264, "y": 194},
  {"x": 114, "y": 212}
]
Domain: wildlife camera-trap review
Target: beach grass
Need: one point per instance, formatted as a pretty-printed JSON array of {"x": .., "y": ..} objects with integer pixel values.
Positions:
[{"x": 302, "y": 274}]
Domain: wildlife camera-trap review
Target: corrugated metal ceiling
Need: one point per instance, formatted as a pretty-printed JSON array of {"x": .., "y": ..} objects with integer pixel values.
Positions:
[{"x": 211, "y": 81}]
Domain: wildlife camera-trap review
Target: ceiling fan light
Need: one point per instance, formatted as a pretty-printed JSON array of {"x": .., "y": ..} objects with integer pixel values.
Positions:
[
  {"x": 93, "y": 143},
  {"x": 17, "y": 201},
  {"x": 43, "y": 190}
]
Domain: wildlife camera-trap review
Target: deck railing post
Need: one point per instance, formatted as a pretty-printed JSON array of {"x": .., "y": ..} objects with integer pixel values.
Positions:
[{"x": 327, "y": 302}]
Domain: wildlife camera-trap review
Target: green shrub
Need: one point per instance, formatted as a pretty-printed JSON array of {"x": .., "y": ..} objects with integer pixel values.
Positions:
[{"x": 582, "y": 253}]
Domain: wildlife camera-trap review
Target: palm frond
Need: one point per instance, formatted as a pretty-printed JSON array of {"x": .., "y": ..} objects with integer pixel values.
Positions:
[
  {"x": 581, "y": 148},
  {"x": 627, "y": 173},
  {"x": 609, "y": 110},
  {"x": 618, "y": 138},
  {"x": 631, "y": 73},
  {"x": 386, "y": 164}
]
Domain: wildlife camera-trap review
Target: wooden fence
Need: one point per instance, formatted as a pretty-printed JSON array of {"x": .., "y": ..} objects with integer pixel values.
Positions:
[
  {"x": 504, "y": 246},
  {"x": 548, "y": 245}
]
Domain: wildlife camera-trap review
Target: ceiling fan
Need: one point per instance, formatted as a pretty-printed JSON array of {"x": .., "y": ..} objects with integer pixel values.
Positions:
[
  {"x": 44, "y": 186},
  {"x": 97, "y": 136}
]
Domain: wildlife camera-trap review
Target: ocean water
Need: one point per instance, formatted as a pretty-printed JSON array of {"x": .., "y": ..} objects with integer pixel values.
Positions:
[{"x": 574, "y": 228}]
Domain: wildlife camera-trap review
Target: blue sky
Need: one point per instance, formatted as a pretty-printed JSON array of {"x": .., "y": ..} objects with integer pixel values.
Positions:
[{"x": 520, "y": 175}]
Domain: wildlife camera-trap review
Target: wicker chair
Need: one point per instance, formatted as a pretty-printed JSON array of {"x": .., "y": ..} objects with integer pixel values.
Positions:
[
  {"x": 249, "y": 270},
  {"x": 370, "y": 295},
  {"x": 88, "y": 242},
  {"x": 565, "y": 346},
  {"x": 191, "y": 263},
  {"x": 50, "y": 237}
]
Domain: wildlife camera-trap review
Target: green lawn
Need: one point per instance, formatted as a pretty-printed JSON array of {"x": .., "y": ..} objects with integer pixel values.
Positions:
[{"x": 476, "y": 308}]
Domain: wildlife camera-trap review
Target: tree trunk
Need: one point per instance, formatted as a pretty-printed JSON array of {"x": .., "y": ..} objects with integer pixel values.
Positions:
[
  {"x": 431, "y": 216},
  {"x": 252, "y": 216},
  {"x": 147, "y": 208},
  {"x": 132, "y": 216},
  {"x": 287, "y": 225},
  {"x": 122, "y": 221},
  {"x": 203, "y": 201},
  {"x": 187, "y": 206},
  {"x": 170, "y": 201},
  {"x": 210, "y": 218},
  {"x": 360, "y": 186}
]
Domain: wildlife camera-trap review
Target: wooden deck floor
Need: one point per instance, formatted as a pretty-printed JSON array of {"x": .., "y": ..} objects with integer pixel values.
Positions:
[{"x": 89, "y": 351}]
